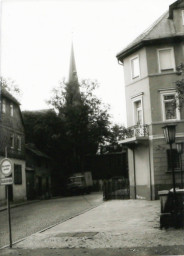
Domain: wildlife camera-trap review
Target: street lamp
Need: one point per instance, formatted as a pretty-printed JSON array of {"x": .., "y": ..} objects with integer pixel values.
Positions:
[
  {"x": 179, "y": 147},
  {"x": 169, "y": 134}
]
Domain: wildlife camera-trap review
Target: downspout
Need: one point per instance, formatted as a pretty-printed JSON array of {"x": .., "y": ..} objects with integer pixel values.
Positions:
[
  {"x": 135, "y": 191},
  {"x": 151, "y": 193}
]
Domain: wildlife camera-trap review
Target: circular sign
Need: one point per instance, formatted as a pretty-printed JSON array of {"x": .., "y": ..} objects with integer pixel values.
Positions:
[{"x": 6, "y": 167}]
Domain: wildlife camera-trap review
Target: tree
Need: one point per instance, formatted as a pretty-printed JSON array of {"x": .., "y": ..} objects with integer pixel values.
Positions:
[
  {"x": 44, "y": 129},
  {"x": 179, "y": 99},
  {"x": 85, "y": 118},
  {"x": 10, "y": 86}
]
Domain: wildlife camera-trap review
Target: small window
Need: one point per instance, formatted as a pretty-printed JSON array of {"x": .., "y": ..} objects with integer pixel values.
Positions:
[
  {"x": 175, "y": 158},
  {"x": 12, "y": 141},
  {"x": 166, "y": 59},
  {"x": 170, "y": 112},
  {"x": 11, "y": 109},
  {"x": 135, "y": 67},
  {"x": 3, "y": 106},
  {"x": 19, "y": 143},
  {"x": 17, "y": 174}
]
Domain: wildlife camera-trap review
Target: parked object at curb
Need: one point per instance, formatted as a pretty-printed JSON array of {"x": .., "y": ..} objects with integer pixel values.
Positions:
[
  {"x": 80, "y": 183},
  {"x": 172, "y": 208}
]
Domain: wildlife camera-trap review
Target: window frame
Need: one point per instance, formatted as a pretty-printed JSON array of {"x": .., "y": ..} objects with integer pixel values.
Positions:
[
  {"x": 12, "y": 143},
  {"x": 3, "y": 106},
  {"x": 18, "y": 180},
  {"x": 131, "y": 66},
  {"x": 173, "y": 68},
  {"x": 134, "y": 100},
  {"x": 11, "y": 110},
  {"x": 167, "y": 93},
  {"x": 19, "y": 143},
  {"x": 182, "y": 17}
]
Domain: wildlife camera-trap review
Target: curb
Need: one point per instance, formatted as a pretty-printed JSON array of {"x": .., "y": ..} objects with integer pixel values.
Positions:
[{"x": 17, "y": 205}]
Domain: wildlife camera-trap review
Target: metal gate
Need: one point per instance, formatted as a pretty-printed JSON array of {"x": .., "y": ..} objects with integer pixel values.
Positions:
[{"x": 116, "y": 188}]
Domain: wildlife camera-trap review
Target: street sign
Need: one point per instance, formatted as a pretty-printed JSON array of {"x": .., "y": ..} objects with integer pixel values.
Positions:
[
  {"x": 6, "y": 181},
  {"x": 6, "y": 172},
  {"x": 6, "y": 167}
]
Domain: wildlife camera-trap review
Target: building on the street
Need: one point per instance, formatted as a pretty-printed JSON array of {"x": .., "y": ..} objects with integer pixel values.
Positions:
[
  {"x": 12, "y": 140},
  {"x": 149, "y": 64},
  {"x": 38, "y": 173}
]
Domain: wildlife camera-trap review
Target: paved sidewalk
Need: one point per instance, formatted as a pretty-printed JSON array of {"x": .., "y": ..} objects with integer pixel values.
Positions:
[
  {"x": 122, "y": 227},
  {"x": 114, "y": 224}
]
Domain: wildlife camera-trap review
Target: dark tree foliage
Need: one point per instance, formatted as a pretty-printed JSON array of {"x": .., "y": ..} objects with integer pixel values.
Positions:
[
  {"x": 85, "y": 118},
  {"x": 179, "y": 100},
  {"x": 44, "y": 129},
  {"x": 10, "y": 86}
]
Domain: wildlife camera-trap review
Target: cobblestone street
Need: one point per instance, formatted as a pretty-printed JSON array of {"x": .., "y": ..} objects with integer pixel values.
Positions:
[{"x": 28, "y": 219}]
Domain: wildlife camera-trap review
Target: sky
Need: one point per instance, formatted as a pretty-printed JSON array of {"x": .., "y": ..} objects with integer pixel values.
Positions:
[{"x": 36, "y": 40}]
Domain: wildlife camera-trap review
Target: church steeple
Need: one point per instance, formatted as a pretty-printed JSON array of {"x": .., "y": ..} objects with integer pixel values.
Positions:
[
  {"x": 72, "y": 69},
  {"x": 72, "y": 86}
]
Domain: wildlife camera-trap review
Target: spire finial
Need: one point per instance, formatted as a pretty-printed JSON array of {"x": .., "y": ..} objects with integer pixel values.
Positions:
[{"x": 72, "y": 70}]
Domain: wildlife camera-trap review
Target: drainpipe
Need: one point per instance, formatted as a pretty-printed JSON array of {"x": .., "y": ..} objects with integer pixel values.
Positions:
[
  {"x": 151, "y": 194},
  {"x": 135, "y": 191}
]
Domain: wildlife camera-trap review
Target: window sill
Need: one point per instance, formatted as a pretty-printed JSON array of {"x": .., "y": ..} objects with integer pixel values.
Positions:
[
  {"x": 175, "y": 170},
  {"x": 163, "y": 73},
  {"x": 167, "y": 70},
  {"x": 135, "y": 77}
]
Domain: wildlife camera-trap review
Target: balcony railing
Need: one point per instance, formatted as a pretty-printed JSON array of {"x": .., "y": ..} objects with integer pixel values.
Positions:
[{"x": 138, "y": 131}]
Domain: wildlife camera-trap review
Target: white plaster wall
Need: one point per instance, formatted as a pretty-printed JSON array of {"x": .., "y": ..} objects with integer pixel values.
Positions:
[
  {"x": 19, "y": 191},
  {"x": 142, "y": 166}
]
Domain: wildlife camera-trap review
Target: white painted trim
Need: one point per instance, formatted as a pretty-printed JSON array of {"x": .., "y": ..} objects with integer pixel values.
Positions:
[
  {"x": 162, "y": 94},
  {"x": 166, "y": 90},
  {"x": 131, "y": 59},
  {"x": 173, "y": 59},
  {"x": 183, "y": 17},
  {"x": 161, "y": 136},
  {"x": 139, "y": 94}
]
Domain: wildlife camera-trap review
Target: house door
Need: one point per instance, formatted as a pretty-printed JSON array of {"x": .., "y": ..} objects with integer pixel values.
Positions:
[
  {"x": 30, "y": 185},
  {"x": 10, "y": 191}
]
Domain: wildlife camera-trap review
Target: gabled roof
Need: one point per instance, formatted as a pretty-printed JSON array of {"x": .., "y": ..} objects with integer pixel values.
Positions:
[
  {"x": 36, "y": 152},
  {"x": 163, "y": 28},
  {"x": 7, "y": 95},
  {"x": 175, "y": 5}
]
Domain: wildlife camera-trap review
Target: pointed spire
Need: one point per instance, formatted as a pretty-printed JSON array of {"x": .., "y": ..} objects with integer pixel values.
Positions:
[
  {"x": 72, "y": 86},
  {"x": 72, "y": 70}
]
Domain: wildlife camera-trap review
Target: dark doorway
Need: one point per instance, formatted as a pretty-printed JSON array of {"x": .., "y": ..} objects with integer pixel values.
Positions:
[
  {"x": 40, "y": 189},
  {"x": 30, "y": 185},
  {"x": 10, "y": 191}
]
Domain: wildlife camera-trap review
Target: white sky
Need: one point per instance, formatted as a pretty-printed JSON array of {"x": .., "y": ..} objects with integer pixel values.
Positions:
[{"x": 36, "y": 42}]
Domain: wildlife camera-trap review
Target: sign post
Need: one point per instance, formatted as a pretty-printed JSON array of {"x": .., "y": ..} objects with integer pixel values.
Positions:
[{"x": 6, "y": 179}]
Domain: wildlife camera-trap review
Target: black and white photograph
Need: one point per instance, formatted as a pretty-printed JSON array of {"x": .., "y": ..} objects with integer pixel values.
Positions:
[{"x": 91, "y": 127}]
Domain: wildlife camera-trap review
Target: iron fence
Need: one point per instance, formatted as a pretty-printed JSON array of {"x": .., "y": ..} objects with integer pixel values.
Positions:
[{"x": 116, "y": 189}]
